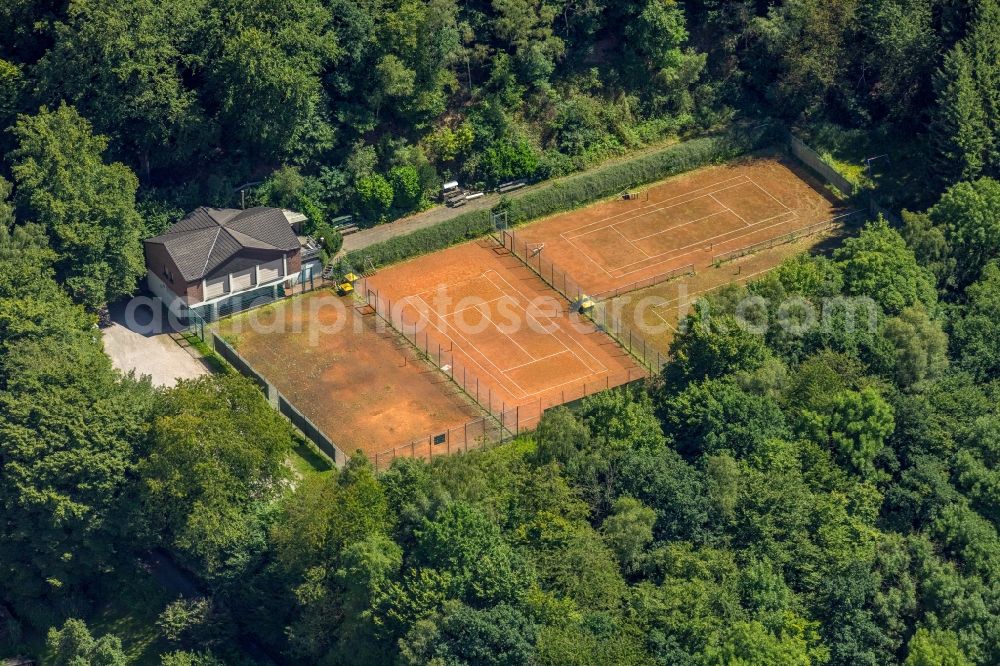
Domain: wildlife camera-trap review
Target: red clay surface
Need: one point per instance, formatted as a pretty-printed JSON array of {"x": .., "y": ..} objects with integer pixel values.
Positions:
[
  {"x": 499, "y": 331},
  {"x": 686, "y": 220},
  {"x": 657, "y": 311},
  {"x": 351, "y": 375}
]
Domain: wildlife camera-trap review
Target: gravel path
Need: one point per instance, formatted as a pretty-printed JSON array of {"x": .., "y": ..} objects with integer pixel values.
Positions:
[{"x": 427, "y": 218}]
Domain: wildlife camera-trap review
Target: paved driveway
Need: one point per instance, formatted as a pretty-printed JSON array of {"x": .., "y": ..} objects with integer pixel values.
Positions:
[{"x": 139, "y": 339}]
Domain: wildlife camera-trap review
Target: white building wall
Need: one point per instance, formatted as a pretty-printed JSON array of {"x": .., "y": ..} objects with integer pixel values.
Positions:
[{"x": 161, "y": 290}]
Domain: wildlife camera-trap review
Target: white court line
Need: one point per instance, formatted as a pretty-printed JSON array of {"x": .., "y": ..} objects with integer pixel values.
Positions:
[
  {"x": 656, "y": 203},
  {"x": 520, "y": 294},
  {"x": 586, "y": 252},
  {"x": 449, "y": 317},
  {"x": 537, "y": 360},
  {"x": 752, "y": 230},
  {"x": 503, "y": 378},
  {"x": 700, "y": 219},
  {"x": 480, "y": 303},
  {"x": 692, "y": 298},
  {"x": 738, "y": 216},
  {"x": 443, "y": 316},
  {"x": 626, "y": 239},
  {"x": 458, "y": 311},
  {"x": 450, "y": 285},
  {"x": 500, "y": 378},
  {"x": 780, "y": 203},
  {"x": 651, "y": 212},
  {"x": 702, "y": 241}
]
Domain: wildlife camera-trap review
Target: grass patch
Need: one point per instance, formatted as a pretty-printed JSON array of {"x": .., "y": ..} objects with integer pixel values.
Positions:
[
  {"x": 900, "y": 174},
  {"x": 215, "y": 362},
  {"x": 306, "y": 460}
]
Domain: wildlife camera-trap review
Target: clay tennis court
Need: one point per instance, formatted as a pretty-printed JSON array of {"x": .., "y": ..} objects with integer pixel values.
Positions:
[
  {"x": 494, "y": 327},
  {"x": 656, "y": 311},
  {"x": 355, "y": 378},
  {"x": 685, "y": 221}
]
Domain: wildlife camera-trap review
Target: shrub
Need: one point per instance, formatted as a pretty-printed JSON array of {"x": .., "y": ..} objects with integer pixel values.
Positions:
[
  {"x": 505, "y": 160},
  {"x": 332, "y": 240},
  {"x": 575, "y": 191},
  {"x": 406, "y": 188},
  {"x": 461, "y": 228},
  {"x": 607, "y": 181},
  {"x": 375, "y": 196}
]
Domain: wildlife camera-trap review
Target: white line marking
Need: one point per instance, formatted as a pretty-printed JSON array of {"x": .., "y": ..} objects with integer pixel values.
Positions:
[
  {"x": 499, "y": 376},
  {"x": 700, "y": 219},
  {"x": 474, "y": 353},
  {"x": 738, "y": 216},
  {"x": 648, "y": 212},
  {"x": 657, "y": 203},
  {"x": 780, "y": 203},
  {"x": 700, "y": 242},
  {"x": 557, "y": 321},
  {"x": 626, "y": 239}
]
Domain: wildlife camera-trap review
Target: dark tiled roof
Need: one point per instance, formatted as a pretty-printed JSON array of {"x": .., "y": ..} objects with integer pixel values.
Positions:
[{"x": 208, "y": 238}]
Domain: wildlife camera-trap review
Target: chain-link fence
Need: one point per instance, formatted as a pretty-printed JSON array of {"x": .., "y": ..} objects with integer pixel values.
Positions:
[
  {"x": 498, "y": 428},
  {"x": 597, "y": 311},
  {"x": 444, "y": 358},
  {"x": 790, "y": 237},
  {"x": 280, "y": 402},
  {"x": 645, "y": 283}
]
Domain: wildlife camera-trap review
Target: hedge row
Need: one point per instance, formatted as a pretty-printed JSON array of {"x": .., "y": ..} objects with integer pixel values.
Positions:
[
  {"x": 467, "y": 226},
  {"x": 572, "y": 192},
  {"x": 576, "y": 191}
]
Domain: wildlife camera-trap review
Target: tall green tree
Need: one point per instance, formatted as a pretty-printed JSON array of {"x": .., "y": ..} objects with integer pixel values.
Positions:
[
  {"x": 86, "y": 205},
  {"x": 73, "y": 645},
  {"x": 878, "y": 264},
  {"x": 215, "y": 459},
  {"x": 968, "y": 215},
  {"x": 265, "y": 76},
  {"x": 960, "y": 126},
  {"x": 124, "y": 66},
  {"x": 855, "y": 425},
  {"x": 921, "y": 346},
  {"x": 935, "y": 648},
  {"x": 656, "y": 38},
  {"x": 976, "y": 333},
  {"x": 68, "y": 429}
]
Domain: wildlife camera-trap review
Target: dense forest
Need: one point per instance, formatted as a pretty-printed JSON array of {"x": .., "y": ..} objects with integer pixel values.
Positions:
[{"x": 782, "y": 494}]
